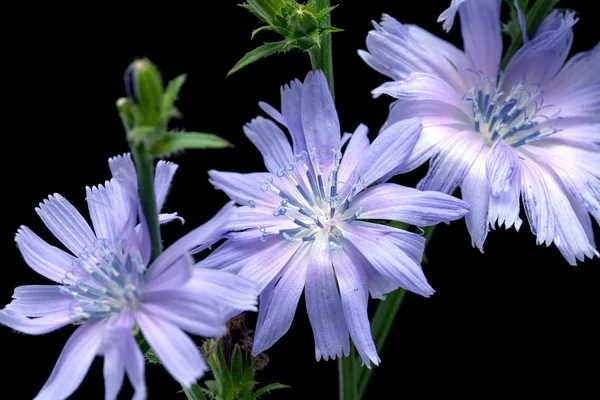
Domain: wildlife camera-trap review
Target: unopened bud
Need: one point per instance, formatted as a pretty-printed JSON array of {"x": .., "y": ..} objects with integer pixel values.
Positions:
[
  {"x": 303, "y": 20},
  {"x": 144, "y": 87}
]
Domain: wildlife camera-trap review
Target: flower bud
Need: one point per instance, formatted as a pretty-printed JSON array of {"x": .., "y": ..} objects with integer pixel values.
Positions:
[
  {"x": 303, "y": 20},
  {"x": 144, "y": 87}
]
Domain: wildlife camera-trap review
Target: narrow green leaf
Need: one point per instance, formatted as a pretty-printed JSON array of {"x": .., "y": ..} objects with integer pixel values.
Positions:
[
  {"x": 267, "y": 389},
  {"x": 262, "y": 28},
  {"x": 249, "y": 370},
  {"x": 224, "y": 374},
  {"x": 236, "y": 368},
  {"x": 265, "y": 50},
  {"x": 171, "y": 93},
  {"x": 175, "y": 142},
  {"x": 194, "y": 393}
]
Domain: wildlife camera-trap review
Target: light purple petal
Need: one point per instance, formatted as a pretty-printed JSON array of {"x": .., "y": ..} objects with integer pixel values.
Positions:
[
  {"x": 244, "y": 189},
  {"x": 232, "y": 255},
  {"x": 456, "y": 58},
  {"x": 208, "y": 233},
  {"x": 177, "y": 352},
  {"x": 225, "y": 288},
  {"x": 449, "y": 14},
  {"x": 272, "y": 112},
  {"x": 66, "y": 223},
  {"x": 323, "y": 303},
  {"x": 37, "y": 326},
  {"x": 187, "y": 310},
  {"x": 266, "y": 264},
  {"x": 73, "y": 363},
  {"x": 550, "y": 214},
  {"x": 39, "y": 300},
  {"x": 504, "y": 208},
  {"x": 114, "y": 372},
  {"x": 291, "y": 109},
  {"x": 100, "y": 202},
  {"x": 451, "y": 163},
  {"x": 576, "y": 88},
  {"x": 123, "y": 170},
  {"x": 277, "y": 310},
  {"x": 258, "y": 217},
  {"x": 502, "y": 166},
  {"x": 352, "y": 282},
  {"x": 395, "y": 52},
  {"x": 46, "y": 260},
  {"x": 134, "y": 363},
  {"x": 420, "y": 86},
  {"x": 320, "y": 120},
  {"x": 394, "y": 202},
  {"x": 542, "y": 57},
  {"x": 475, "y": 191},
  {"x": 357, "y": 146},
  {"x": 173, "y": 277},
  {"x": 163, "y": 176},
  {"x": 388, "y": 153},
  {"x": 272, "y": 143},
  {"x": 412, "y": 244},
  {"x": 482, "y": 35},
  {"x": 389, "y": 260}
]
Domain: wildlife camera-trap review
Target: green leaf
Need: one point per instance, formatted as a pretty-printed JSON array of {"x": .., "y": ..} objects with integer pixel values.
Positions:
[
  {"x": 237, "y": 368},
  {"x": 262, "y": 28},
  {"x": 249, "y": 370},
  {"x": 175, "y": 142},
  {"x": 267, "y": 389},
  {"x": 265, "y": 50},
  {"x": 194, "y": 393},
  {"x": 171, "y": 93}
]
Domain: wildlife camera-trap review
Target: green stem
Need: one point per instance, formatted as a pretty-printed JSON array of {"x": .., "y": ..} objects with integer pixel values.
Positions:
[
  {"x": 321, "y": 57},
  {"x": 145, "y": 172},
  {"x": 382, "y": 324},
  {"x": 347, "y": 376}
]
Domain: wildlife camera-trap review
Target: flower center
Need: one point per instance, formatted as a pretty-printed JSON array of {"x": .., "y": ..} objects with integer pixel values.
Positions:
[
  {"x": 313, "y": 205},
  {"x": 106, "y": 278},
  {"x": 516, "y": 116}
]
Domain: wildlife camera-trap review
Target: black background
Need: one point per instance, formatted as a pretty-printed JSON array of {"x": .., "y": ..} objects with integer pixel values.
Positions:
[{"x": 515, "y": 320}]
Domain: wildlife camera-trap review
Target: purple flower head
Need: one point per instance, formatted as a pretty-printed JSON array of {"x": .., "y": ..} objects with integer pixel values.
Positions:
[
  {"x": 107, "y": 287},
  {"x": 302, "y": 225},
  {"x": 530, "y": 132}
]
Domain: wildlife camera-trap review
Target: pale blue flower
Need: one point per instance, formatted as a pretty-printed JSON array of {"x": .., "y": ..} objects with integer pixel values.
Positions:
[
  {"x": 530, "y": 132},
  {"x": 106, "y": 285},
  {"x": 304, "y": 224}
]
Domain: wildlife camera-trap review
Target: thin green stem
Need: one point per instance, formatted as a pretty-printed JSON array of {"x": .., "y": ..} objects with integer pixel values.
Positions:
[
  {"x": 382, "y": 324},
  {"x": 347, "y": 376},
  {"x": 145, "y": 172},
  {"x": 321, "y": 57}
]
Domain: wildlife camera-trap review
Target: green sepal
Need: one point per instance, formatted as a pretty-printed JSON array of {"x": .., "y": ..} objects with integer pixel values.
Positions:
[
  {"x": 265, "y": 50},
  {"x": 194, "y": 392},
  {"x": 314, "y": 35},
  {"x": 170, "y": 96},
  {"x": 177, "y": 142}
]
